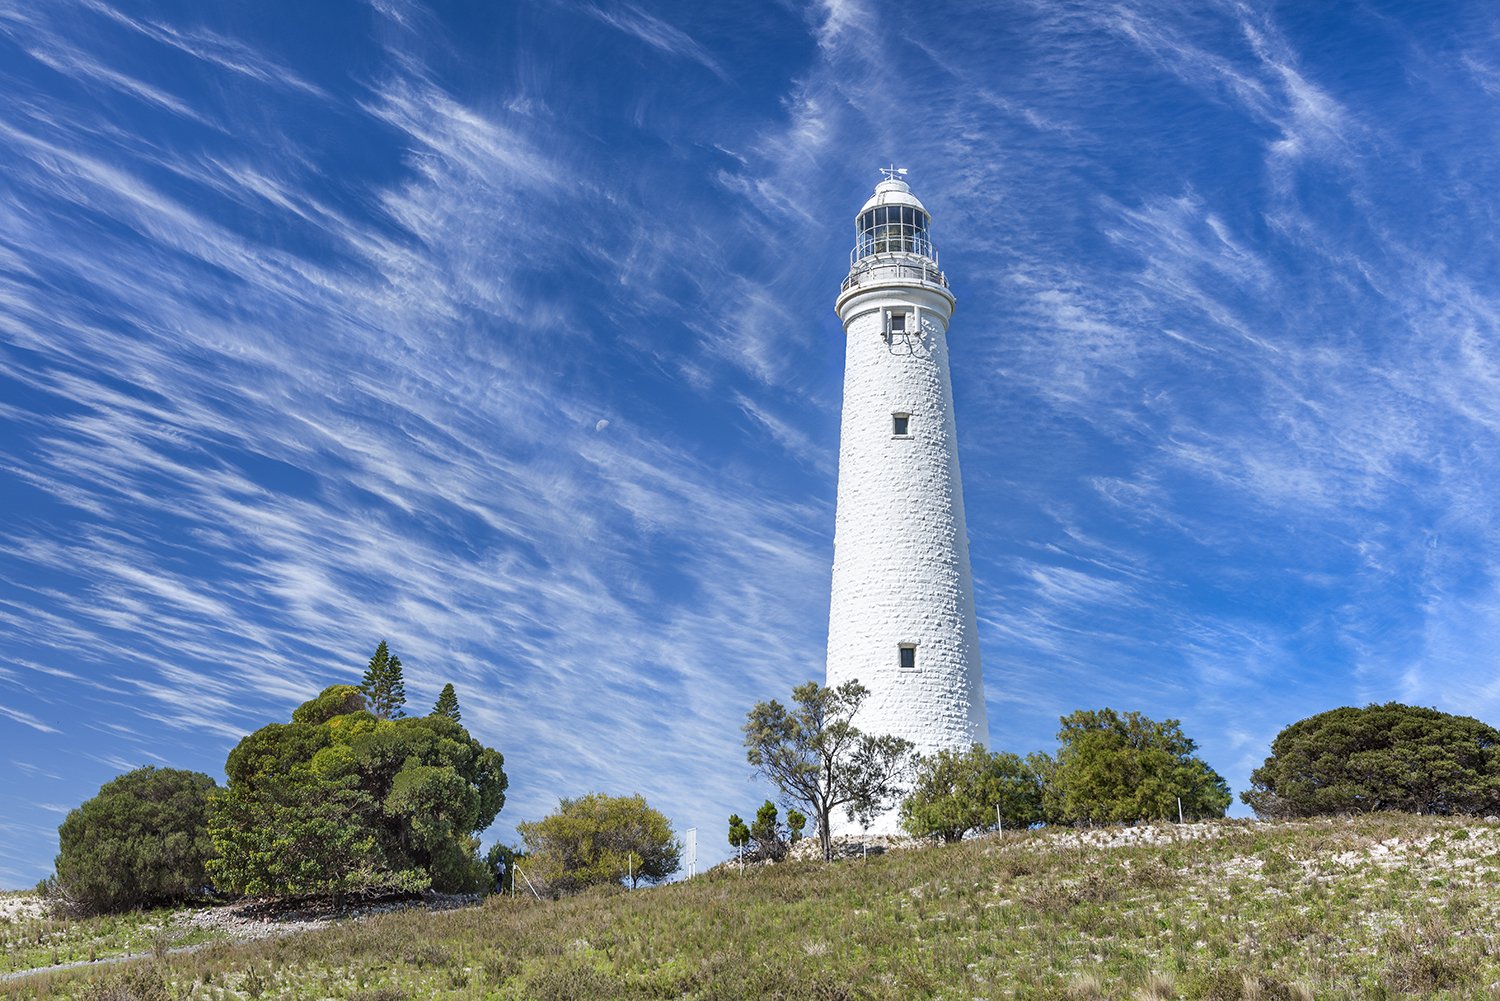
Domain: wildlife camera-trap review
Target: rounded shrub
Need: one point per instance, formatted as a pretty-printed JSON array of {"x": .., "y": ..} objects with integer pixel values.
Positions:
[
  {"x": 1380, "y": 757},
  {"x": 141, "y": 842}
]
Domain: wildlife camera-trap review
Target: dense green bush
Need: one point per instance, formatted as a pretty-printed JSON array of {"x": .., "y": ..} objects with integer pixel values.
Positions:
[
  {"x": 599, "y": 839},
  {"x": 338, "y": 801},
  {"x": 141, "y": 842},
  {"x": 958, "y": 792},
  {"x": 1381, "y": 757},
  {"x": 1114, "y": 767}
]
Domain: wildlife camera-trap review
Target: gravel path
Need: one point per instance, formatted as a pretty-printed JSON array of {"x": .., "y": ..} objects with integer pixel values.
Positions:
[{"x": 106, "y": 961}]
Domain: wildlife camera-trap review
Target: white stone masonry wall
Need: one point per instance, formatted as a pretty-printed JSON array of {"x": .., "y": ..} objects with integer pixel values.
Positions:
[{"x": 901, "y": 569}]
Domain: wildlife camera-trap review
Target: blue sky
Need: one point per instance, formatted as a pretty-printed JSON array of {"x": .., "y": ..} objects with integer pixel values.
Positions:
[{"x": 506, "y": 334}]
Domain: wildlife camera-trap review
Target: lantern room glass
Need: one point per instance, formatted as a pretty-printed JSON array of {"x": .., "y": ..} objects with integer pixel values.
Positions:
[{"x": 893, "y": 229}]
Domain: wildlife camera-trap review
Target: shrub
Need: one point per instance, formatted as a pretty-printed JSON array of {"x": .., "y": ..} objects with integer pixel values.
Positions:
[
  {"x": 141, "y": 842},
  {"x": 598, "y": 839},
  {"x": 144, "y": 984},
  {"x": 765, "y": 839},
  {"x": 338, "y": 801},
  {"x": 1381, "y": 757},
  {"x": 958, "y": 792},
  {"x": 1114, "y": 767}
]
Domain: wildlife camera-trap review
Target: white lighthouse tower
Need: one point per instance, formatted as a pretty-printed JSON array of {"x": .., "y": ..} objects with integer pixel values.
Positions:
[{"x": 901, "y": 619}]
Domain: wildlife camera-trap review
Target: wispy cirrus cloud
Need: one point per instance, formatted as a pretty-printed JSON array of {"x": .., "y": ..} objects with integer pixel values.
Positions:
[
  {"x": 214, "y": 49},
  {"x": 655, "y": 32}
]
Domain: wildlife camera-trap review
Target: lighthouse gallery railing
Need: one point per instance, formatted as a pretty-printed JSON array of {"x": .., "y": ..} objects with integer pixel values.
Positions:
[{"x": 877, "y": 268}]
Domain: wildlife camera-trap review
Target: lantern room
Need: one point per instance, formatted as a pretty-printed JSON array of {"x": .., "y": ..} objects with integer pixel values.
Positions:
[{"x": 893, "y": 221}]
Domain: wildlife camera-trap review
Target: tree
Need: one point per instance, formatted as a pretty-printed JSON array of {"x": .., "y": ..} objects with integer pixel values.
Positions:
[
  {"x": 765, "y": 838},
  {"x": 766, "y": 833},
  {"x": 1113, "y": 767},
  {"x": 383, "y": 685},
  {"x": 1381, "y": 757},
  {"x": 336, "y": 700},
  {"x": 795, "y": 823},
  {"x": 1044, "y": 767},
  {"x": 956, "y": 792},
  {"x": 339, "y": 801},
  {"x": 447, "y": 704},
  {"x": 819, "y": 759},
  {"x": 739, "y": 832},
  {"x": 140, "y": 842},
  {"x": 599, "y": 839}
]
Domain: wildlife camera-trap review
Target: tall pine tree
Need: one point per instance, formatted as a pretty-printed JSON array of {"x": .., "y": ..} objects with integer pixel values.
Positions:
[
  {"x": 447, "y": 704},
  {"x": 383, "y": 685}
]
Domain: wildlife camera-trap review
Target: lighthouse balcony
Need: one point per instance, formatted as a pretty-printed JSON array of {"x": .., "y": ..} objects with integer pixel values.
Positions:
[{"x": 894, "y": 269}]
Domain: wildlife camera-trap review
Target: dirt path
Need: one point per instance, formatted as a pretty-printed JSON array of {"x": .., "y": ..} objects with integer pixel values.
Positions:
[{"x": 134, "y": 957}]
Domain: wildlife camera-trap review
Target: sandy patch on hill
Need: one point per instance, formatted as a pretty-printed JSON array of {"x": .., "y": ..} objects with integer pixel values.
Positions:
[{"x": 21, "y": 907}]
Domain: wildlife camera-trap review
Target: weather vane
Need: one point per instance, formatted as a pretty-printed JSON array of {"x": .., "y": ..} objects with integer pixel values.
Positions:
[{"x": 893, "y": 170}]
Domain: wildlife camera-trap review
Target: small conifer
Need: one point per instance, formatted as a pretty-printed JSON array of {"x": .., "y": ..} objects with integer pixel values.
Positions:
[
  {"x": 795, "y": 822},
  {"x": 447, "y": 704},
  {"x": 739, "y": 834},
  {"x": 383, "y": 685}
]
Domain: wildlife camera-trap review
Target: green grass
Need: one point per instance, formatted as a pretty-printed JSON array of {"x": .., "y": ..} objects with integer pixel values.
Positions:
[
  {"x": 31, "y": 938},
  {"x": 1377, "y": 907}
]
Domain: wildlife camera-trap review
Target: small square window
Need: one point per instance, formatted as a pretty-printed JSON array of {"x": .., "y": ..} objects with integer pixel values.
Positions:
[
  {"x": 908, "y": 656},
  {"x": 898, "y": 323},
  {"x": 901, "y": 425}
]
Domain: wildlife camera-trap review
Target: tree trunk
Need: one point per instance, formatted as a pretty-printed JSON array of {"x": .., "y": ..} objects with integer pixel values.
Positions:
[{"x": 825, "y": 835}]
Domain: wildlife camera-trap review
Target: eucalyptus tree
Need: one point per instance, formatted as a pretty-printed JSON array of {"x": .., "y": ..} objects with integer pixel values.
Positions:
[{"x": 819, "y": 759}]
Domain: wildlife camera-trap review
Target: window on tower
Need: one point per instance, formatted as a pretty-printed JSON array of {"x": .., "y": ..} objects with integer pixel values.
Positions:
[
  {"x": 908, "y": 656},
  {"x": 898, "y": 323},
  {"x": 901, "y": 425}
]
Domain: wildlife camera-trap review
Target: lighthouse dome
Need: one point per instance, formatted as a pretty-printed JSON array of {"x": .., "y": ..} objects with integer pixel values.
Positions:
[
  {"x": 893, "y": 221},
  {"x": 893, "y": 191}
]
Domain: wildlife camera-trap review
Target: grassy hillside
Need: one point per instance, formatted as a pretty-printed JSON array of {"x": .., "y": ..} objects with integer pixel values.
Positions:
[{"x": 1389, "y": 906}]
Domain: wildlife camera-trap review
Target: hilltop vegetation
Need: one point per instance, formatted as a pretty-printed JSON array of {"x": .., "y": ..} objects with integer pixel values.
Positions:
[
  {"x": 1383, "y": 906},
  {"x": 340, "y": 800},
  {"x": 1109, "y": 766},
  {"x": 352, "y": 796},
  {"x": 141, "y": 842},
  {"x": 1381, "y": 757}
]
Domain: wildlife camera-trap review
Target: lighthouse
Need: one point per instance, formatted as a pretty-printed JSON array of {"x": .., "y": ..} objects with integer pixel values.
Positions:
[{"x": 901, "y": 620}]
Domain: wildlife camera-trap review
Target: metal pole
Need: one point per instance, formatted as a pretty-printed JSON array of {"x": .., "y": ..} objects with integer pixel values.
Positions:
[
  {"x": 1179, "y": 809},
  {"x": 529, "y": 884},
  {"x": 999, "y": 824}
]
